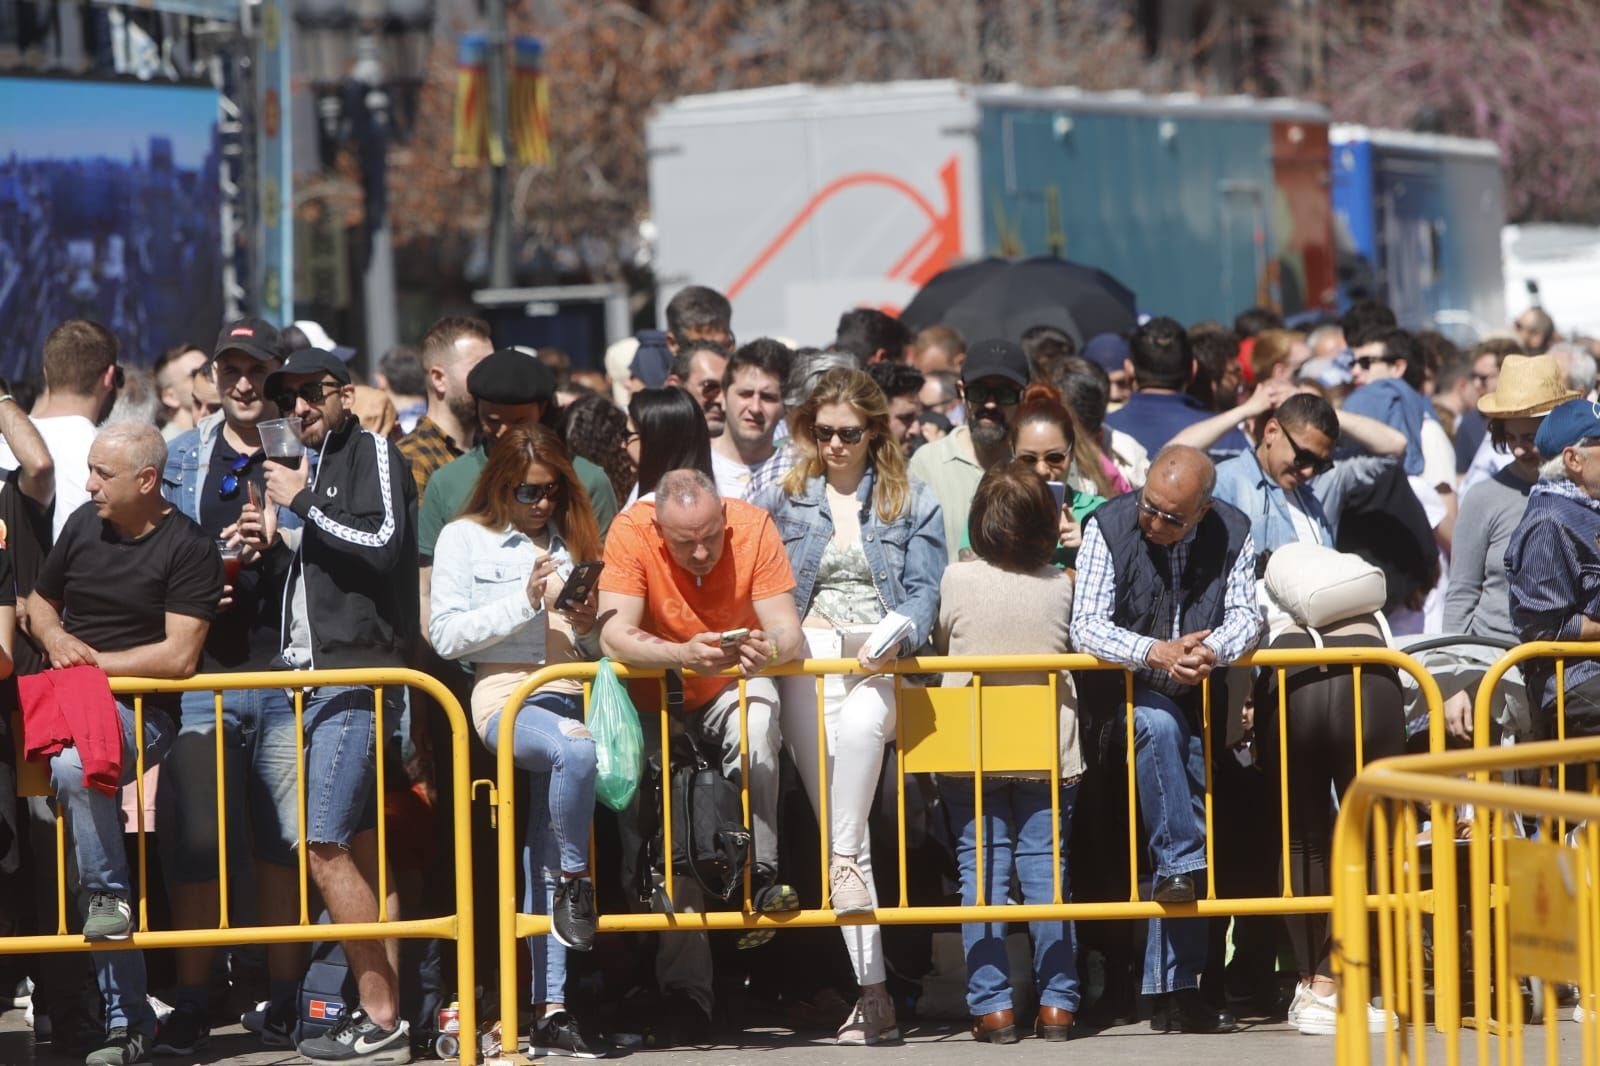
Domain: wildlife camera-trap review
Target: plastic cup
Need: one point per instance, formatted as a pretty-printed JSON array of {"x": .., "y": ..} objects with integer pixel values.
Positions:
[
  {"x": 232, "y": 560},
  {"x": 280, "y": 440}
]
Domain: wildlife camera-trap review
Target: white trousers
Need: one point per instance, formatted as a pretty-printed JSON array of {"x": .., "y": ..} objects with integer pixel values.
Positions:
[{"x": 858, "y": 720}]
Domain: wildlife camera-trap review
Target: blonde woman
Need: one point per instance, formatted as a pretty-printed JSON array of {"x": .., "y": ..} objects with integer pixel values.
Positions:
[{"x": 863, "y": 540}]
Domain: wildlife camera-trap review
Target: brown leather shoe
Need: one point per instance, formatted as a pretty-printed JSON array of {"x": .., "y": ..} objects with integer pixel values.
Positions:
[
  {"x": 1053, "y": 1023},
  {"x": 996, "y": 1027}
]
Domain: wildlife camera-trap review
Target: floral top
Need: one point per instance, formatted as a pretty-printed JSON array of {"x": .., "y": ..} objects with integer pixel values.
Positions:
[{"x": 844, "y": 592}]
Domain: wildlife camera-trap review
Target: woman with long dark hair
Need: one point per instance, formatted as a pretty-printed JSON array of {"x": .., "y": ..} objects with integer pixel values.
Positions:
[
  {"x": 497, "y": 573},
  {"x": 666, "y": 431},
  {"x": 863, "y": 540}
]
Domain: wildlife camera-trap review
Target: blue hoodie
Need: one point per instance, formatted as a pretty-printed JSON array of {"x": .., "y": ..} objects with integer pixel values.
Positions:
[{"x": 1394, "y": 403}]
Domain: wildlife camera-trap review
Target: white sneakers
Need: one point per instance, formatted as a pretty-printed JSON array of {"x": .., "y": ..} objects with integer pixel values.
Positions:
[
  {"x": 1316, "y": 1015},
  {"x": 848, "y": 887},
  {"x": 872, "y": 1021}
]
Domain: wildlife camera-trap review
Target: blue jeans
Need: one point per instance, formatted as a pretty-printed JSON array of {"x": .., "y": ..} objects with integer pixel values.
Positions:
[
  {"x": 551, "y": 743},
  {"x": 342, "y": 760},
  {"x": 95, "y": 822},
  {"x": 1171, "y": 771},
  {"x": 258, "y": 751},
  {"x": 1017, "y": 833}
]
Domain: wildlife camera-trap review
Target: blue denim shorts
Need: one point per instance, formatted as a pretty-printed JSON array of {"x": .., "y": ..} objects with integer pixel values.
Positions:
[
  {"x": 258, "y": 751},
  {"x": 341, "y": 760}
]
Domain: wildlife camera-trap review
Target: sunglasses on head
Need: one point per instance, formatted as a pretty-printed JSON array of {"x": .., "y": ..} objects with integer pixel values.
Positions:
[
  {"x": 1160, "y": 515},
  {"x": 1004, "y": 395},
  {"x": 1304, "y": 458},
  {"x": 1052, "y": 458},
  {"x": 312, "y": 392},
  {"x": 531, "y": 493},
  {"x": 1365, "y": 361},
  {"x": 230, "y": 480},
  {"x": 849, "y": 434}
]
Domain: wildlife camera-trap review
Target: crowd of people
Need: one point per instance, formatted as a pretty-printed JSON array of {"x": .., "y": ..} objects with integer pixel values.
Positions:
[{"x": 1167, "y": 501}]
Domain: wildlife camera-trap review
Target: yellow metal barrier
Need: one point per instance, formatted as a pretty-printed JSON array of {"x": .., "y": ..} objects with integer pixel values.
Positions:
[
  {"x": 947, "y": 729},
  {"x": 1535, "y": 905},
  {"x": 457, "y": 926}
]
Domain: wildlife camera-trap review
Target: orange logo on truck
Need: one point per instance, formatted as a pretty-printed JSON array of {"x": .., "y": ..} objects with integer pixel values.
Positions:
[{"x": 935, "y": 249}]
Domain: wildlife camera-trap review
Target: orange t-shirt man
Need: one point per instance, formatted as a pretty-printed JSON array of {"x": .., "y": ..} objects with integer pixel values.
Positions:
[{"x": 677, "y": 604}]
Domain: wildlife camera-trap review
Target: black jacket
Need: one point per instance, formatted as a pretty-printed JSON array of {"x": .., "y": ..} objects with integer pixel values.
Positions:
[{"x": 358, "y": 553}]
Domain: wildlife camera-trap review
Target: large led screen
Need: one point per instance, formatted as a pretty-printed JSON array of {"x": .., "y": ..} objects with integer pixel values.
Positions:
[{"x": 109, "y": 209}]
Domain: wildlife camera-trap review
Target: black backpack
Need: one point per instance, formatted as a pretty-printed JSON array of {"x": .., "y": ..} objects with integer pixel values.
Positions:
[{"x": 710, "y": 842}]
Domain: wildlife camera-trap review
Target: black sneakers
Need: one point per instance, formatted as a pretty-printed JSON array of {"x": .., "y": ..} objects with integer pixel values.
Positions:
[
  {"x": 561, "y": 1035},
  {"x": 359, "y": 1039},
  {"x": 572, "y": 913}
]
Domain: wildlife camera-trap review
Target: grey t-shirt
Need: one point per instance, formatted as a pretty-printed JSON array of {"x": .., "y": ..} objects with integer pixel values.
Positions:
[{"x": 1477, "y": 601}]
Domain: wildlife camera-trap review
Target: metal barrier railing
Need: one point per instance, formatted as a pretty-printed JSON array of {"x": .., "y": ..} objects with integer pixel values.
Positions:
[
  {"x": 1036, "y": 729},
  {"x": 1535, "y": 904},
  {"x": 456, "y": 926}
]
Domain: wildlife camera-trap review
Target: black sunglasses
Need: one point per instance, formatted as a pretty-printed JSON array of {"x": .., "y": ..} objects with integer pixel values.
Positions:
[
  {"x": 1365, "y": 361},
  {"x": 312, "y": 392},
  {"x": 1053, "y": 458},
  {"x": 849, "y": 434},
  {"x": 1304, "y": 458},
  {"x": 531, "y": 493},
  {"x": 1004, "y": 395},
  {"x": 230, "y": 480}
]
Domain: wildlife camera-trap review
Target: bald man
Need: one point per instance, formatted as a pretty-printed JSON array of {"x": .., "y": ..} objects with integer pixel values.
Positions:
[
  {"x": 131, "y": 587},
  {"x": 1166, "y": 587}
]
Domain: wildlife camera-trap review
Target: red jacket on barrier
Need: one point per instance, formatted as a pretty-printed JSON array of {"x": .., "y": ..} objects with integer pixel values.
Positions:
[{"x": 74, "y": 708}]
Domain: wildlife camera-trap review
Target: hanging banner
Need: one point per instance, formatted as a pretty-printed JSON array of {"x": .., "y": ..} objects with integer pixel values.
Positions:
[
  {"x": 530, "y": 104},
  {"x": 275, "y": 179},
  {"x": 472, "y": 101}
]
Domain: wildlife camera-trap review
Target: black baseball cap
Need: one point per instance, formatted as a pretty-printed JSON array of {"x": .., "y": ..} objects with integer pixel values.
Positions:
[
  {"x": 511, "y": 377},
  {"x": 255, "y": 337},
  {"x": 308, "y": 361},
  {"x": 996, "y": 359}
]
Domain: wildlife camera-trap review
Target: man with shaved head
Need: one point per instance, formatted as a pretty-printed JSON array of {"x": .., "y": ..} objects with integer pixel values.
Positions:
[
  {"x": 695, "y": 582},
  {"x": 131, "y": 587},
  {"x": 1166, "y": 587}
]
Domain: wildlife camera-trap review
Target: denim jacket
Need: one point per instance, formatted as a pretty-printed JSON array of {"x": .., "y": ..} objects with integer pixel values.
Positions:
[
  {"x": 188, "y": 461},
  {"x": 907, "y": 555},
  {"x": 1242, "y": 482}
]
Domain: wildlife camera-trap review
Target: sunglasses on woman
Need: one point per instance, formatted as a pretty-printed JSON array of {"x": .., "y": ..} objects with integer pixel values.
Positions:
[
  {"x": 531, "y": 493},
  {"x": 849, "y": 434},
  {"x": 1051, "y": 458}
]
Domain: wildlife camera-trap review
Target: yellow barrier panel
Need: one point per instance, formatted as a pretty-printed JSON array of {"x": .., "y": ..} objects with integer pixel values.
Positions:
[
  {"x": 946, "y": 729},
  {"x": 457, "y": 926},
  {"x": 1544, "y": 898}
]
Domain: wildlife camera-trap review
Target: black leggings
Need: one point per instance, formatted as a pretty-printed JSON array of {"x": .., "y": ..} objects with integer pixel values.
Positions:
[{"x": 1322, "y": 761}]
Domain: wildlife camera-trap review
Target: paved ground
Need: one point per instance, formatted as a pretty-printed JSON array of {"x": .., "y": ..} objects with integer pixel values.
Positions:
[{"x": 935, "y": 1044}]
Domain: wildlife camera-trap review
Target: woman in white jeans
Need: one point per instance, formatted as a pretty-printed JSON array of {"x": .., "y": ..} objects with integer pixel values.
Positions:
[{"x": 863, "y": 541}]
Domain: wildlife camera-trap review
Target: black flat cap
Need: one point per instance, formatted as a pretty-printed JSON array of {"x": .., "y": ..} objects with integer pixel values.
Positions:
[
  {"x": 510, "y": 376},
  {"x": 308, "y": 361}
]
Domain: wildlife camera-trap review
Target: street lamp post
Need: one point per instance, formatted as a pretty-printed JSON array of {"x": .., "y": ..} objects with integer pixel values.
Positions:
[{"x": 367, "y": 61}]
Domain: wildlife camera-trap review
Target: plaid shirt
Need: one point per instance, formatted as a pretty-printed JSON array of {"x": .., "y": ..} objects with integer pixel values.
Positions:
[
  {"x": 741, "y": 482},
  {"x": 427, "y": 449},
  {"x": 1094, "y": 632}
]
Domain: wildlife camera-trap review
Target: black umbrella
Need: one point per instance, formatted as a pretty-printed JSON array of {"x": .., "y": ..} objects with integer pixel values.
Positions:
[{"x": 1004, "y": 297}]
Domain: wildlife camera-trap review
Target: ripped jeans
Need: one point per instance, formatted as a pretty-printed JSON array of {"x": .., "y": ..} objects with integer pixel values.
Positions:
[{"x": 553, "y": 744}]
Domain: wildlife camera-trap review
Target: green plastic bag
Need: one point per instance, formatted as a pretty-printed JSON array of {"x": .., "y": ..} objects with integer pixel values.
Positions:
[{"x": 618, "y": 739}]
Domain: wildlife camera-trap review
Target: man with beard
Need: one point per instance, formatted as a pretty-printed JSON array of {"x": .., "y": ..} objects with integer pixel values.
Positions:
[
  {"x": 992, "y": 380},
  {"x": 450, "y": 349},
  {"x": 697, "y": 369},
  {"x": 746, "y": 459}
]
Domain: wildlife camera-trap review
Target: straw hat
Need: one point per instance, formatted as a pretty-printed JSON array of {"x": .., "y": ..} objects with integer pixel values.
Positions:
[{"x": 1530, "y": 386}]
